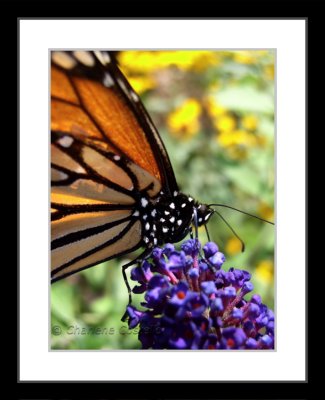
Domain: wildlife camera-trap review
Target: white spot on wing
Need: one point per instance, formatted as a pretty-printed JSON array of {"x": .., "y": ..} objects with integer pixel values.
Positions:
[
  {"x": 123, "y": 87},
  {"x": 108, "y": 80},
  {"x": 106, "y": 57},
  {"x": 146, "y": 239},
  {"x": 134, "y": 96},
  {"x": 165, "y": 229},
  {"x": 155, "y": 241},
  {"x": 154, "y": 212},
  {"x": 175, "y": 193},
  {"x": 190, "y": 199},
  {"x": 167, "y": 212},
  {"x": 147, "y": 226},
  {"x": 183, "y": 205},
  {"x": 179, "y": 222},
  {"x": 65, "y": 141},
  {"x": 172, "y": 219},
  {"x": 63, "y": 59},
  {"x": 145, "y": 216},
  {"x": 85, "y": 57},
  {"x": 136, "y": 213},
  {"x": 102, "y": 57},
  {"x": 172, "y": 205},
  {"x": 162, "y": 220}
]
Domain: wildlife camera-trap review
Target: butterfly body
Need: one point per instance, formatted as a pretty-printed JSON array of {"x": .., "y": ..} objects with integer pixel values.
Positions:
[{"x": 166, "y": 218}]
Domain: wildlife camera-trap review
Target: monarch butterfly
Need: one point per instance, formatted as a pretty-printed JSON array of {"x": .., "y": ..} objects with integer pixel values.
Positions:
[{"x": 113, "y": 188}]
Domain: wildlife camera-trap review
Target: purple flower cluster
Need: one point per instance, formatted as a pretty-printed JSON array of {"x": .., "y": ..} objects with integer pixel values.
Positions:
[{"x": 191, "y": 303}]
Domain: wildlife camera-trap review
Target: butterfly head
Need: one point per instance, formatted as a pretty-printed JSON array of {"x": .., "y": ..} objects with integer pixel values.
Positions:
[{"x": 203, "y": 212}]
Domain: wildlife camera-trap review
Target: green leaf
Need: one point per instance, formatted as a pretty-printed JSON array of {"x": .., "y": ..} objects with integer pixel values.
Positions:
[
  {"x": 246, "y": 99},
  {"x": 244, "y": 179},
  {"x": 62, "y": 302}
]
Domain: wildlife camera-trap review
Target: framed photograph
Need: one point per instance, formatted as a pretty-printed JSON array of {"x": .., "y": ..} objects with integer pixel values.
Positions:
[{"x": 162, "y": 225}]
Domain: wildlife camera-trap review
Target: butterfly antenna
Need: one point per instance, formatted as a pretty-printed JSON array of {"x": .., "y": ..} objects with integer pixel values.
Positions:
[
  {"x": 243, "y": 212},
  {"x": 207, "y": 232},
  {"x": 232, "y": 230}
]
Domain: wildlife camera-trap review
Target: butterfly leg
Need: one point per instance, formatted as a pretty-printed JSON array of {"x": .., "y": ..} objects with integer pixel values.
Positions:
[{"x": 138, "y": 260}]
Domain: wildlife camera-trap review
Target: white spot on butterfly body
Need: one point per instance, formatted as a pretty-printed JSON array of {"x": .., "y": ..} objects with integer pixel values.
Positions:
[
  {"x": 200, "y": 219},
  {"x": 147, "y": 226},
  {"x": 65, "y": 141},
  {"x": 165, "y": 229},
  {"x": 117, "y": 158},
  {"x": 172, "y": 219},
  {"x": 207, "y": 217},
  {"x": 179, "y": 222},
  {"x": 108, "y": 80},
  {"x": 144, "y": 202},
  {"x": 172, "y": 205},
  {"x": 63, "y": 59},
  {"x": 85, "y": 58}
]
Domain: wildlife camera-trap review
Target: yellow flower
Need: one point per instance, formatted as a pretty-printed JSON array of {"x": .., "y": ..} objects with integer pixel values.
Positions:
[
  {"x": 137, "y": 61},
  {"x": 184, "y": 121},
  {"x": 244, "y": 57},
  {"x": 233, "y": 246},
  {"x": 146, "y": 61},
  {"x": 213, "y": 107},
  {"x": 141, "y": 83},
  {"x": 237, "y": 153},
  {"x": 237, "y": 142},
  {"x": 248, "y": 57},
  {"x": 249, "y": 122},
  {"x": 204, "y": 59},
  {"x": 264, "y": 271},
  {"x": 237, "y": 137},
  {"x": 266, "y": 212},
  {"x": 269, "y": 71},
  {"x": 225, "y": 123}
]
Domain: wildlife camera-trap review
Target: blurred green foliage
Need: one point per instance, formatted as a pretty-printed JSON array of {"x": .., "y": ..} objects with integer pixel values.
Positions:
[{"x": 215, "y": 113}]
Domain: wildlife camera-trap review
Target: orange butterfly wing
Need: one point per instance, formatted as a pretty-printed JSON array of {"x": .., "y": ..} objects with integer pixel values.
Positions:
[{"x": 103, "y": 105}]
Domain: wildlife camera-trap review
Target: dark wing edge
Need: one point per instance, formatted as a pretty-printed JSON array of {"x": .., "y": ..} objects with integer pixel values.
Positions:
[{"x": 151, "y": 132}]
